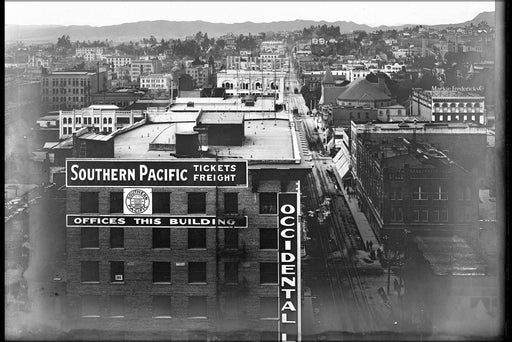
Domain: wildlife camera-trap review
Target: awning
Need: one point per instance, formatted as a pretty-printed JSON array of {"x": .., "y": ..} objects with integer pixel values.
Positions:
[{"x": 342, "y": 162}]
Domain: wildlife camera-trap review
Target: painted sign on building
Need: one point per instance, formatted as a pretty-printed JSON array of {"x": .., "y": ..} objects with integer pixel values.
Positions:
[
  {"x": 289, "y": 267},
  {"x": 153, "y": 173},
  {"x": 155, "y": 221}
]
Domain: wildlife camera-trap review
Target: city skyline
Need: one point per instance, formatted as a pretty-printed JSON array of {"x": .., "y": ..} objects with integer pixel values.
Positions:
[{"x": 369, "y": 13}]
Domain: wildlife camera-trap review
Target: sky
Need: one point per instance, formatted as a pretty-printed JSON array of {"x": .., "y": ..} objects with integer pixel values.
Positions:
[{"x": 100, "y": 13}]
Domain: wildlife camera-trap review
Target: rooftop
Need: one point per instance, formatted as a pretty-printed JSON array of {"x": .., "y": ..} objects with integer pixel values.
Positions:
[
  {"x": 259, "y": 145},
  {"x": 106, "y": 106},
  {"x": 451, "y": 256},
  {"x": 218, "y": 104},
  {"x": 362, "y": 89},
  {"x": 230, "y": 118}
]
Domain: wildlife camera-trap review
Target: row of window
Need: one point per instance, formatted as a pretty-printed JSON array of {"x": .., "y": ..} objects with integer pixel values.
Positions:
[
  {"x": 162, "y": 307},
  {"x": 420, "y": 215},
  {"x": 439, "y": 194},
  {"x": 63, "y": 99},
  {"x": 162, "y": 201},
  {"x": 66, "y": 130},
  {"x": 55, "y": 91},
  {"x": 161, "y": 238},
  {"x": 90, "y": 272}
]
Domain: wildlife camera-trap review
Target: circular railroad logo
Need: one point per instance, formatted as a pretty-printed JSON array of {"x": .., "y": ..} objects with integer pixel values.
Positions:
[{"x": 137, "y": 201}]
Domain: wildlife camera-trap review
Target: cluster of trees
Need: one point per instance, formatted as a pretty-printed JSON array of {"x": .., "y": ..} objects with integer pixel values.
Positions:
[{"x": 321, "y": 31}]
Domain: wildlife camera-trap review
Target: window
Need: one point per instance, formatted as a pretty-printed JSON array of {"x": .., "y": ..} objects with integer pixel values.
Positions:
[
  {"x": 268, "y": 273},
  {"x": 268, "y": 238},
  {"x": 196, "y": 202},
  {"x": 197, "y": 238},
  {"x": 161, "y": 272},
  {"x": 441, "y": 195},
  {"x": 161, "y": 238},
  {"x": 161, "y": 202},
  {"x": 268, "y": 203},
  {"x": 90, "y": 271},
  {"x": 420, "y": 194},
  {"x": 231, "y": 272},
  {"x": 269, "y": 307},
  {"x": 197, "y": 272},
  {"x": 415, "y": 215},
  {"x": 88, "y": 202},
  {"x": 90, "y": 306},
  {"x": 116, "y": 271},
  {"x": 424, "y": 216},
  {"x": 197, "y": 306},
  {"x": 443, "y": 215},
  {"x": 396, "y": 214},
  {"x": 231, "y": 202},
  {"x": 116, "y": 237},
  {"x": 116, "y": 306},
  {"x": 434, "y": 215},
  {"x": 230, "y": 238},
  {"x": 116, "y": 202},
  {"x": 161, "y": 306},
  {"x": 89, "y": 237}
]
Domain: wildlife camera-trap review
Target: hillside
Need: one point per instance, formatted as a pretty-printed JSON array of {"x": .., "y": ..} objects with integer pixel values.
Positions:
[{"x": 181, "y": 29}]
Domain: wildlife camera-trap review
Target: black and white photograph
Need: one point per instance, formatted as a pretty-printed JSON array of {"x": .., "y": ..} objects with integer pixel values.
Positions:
[{"x": 255, "y": 171}]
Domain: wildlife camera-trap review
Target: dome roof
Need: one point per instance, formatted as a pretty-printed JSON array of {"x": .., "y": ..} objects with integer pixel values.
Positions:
[{"x": 362, "y": 89}]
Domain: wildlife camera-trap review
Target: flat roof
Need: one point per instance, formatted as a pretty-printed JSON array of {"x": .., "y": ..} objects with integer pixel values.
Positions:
[
  {"x": 259, "y": 145},
  {"x": 450, "y": 255},
  {"x": 103, "y": 106},
  {"x": 228, "y": 104},
  {"x": 229, "y": 118}
]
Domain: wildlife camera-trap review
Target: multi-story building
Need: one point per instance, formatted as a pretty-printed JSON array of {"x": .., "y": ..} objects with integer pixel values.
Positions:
[
  {"x": 100, "y": 118},
  {"x": 38, "y": 61},
  {"x": 245, "y": 82},
  {"x": 463, "y": 142},
  {"x": 141, "y": 68},
  {"x": 71, "y": 89},
  {"x": 199, "y": 74},
  {"x": 82, "y": 51},
  {"x": 278, "y": 47},
  {"x": 403, "y": 184},
  {"x": 156, "y": 81},
  {"x": 203, "y": 264},
  {"x": 262, "y": 62},
  {"x": 118, "y": 61},
  {"x": 448, "y": 105}
]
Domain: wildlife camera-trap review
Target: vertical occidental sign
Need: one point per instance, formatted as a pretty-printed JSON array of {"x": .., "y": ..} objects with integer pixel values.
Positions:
[{"x": 289, "y": 280}]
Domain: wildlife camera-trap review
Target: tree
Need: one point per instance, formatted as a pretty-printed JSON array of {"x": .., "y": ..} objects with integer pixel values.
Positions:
[{"x": 64, "y": 42}]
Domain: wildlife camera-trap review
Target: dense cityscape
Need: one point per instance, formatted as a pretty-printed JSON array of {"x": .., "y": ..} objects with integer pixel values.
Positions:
[{"x": 295, "y": 185}]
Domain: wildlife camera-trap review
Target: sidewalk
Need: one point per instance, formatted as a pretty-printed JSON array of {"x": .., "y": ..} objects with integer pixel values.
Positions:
[{"x": 362, "y": 223}]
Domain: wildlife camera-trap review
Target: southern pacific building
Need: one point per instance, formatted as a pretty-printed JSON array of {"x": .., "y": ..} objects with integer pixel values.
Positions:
[{"x": 172, "y": 237}]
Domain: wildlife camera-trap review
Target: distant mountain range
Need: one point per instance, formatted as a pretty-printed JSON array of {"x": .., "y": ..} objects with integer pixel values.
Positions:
[{"x": 181, "y": 29}]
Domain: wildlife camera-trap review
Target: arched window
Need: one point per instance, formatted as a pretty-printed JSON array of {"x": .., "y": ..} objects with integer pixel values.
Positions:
[
  {"x": 104, "y": 120},
  {"x": 461, "y": 105},
  {"x": 477, "y": 105},
  {"x": 436, "y": 104},
  {"x": 109, "y": 120},
  {"x": 64, "y": 120},
  {"x": 452, "y": 104},
  {"x": 444, "y": 105}
]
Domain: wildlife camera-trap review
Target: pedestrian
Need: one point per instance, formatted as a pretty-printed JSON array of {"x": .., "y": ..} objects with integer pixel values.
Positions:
[{"x": 371, "y": 244}]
